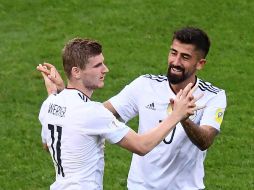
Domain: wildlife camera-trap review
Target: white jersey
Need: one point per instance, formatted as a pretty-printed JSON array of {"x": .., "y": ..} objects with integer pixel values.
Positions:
[
  {"x": 74, "y": 129},
  {"x": 176, "y": 163}
]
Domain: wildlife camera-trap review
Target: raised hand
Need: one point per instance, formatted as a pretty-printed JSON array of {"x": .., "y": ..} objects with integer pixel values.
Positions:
[
  {"x": 53, "y": 80},
  {"x": 184, "y": 103}
]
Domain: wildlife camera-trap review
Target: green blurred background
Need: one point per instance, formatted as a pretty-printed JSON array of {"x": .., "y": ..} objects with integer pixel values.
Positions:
[{"x": 136, "y": 35}]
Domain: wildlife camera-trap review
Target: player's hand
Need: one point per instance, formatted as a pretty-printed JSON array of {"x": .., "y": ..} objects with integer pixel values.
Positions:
[
  {"x": 50, "y": 86},
  {"x": 184, "y": 103},
  {"x": 51, "y": 77}
]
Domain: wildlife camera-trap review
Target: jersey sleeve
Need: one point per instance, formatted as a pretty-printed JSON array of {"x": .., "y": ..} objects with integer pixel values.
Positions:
[
  {"x": 42, "y": 119},
  {"x": 125, "y": 102},
  {"x": 214, "y": 111},
  {"x": 103, "y": 123},
  {"x": 117, "y": 131}
]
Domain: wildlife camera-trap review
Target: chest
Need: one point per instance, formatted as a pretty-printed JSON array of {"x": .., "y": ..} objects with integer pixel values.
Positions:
[{"x": 156, "y": 107}]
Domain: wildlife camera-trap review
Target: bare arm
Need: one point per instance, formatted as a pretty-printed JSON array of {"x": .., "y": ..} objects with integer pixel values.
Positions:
[
  {"x": 202, "y": 136},
  {"x": 142, "y": 144},
  {"x": 184, "y": 105},
  {"x": 109, "y": 106},
  {"x": 45, "y": 147}
]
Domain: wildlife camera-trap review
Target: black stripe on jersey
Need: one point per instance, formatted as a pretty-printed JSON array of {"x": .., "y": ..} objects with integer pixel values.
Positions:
[
  {"x": 205, "y": 86},
  {"x": 58, "y": 150},
  {"x": 83, "y": 97},
  {"x": 159, "y": 78},
  {"x": 211, "y": 87},
  {"x": 51, "y": 128}
]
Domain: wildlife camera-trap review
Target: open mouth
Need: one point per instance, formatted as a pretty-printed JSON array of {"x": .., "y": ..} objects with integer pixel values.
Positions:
[{"x": 176, "y": 70}]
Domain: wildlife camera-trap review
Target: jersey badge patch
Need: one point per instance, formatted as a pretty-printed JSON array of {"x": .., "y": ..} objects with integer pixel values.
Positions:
[
  {"x": 219, "y": 115},
  {"x": 169, "y": 109}
]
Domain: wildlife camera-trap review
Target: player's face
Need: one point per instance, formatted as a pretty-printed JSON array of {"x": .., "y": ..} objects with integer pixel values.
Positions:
[
  {"x": 183, "y": 62},
  {"x": 94, "y": 73}
]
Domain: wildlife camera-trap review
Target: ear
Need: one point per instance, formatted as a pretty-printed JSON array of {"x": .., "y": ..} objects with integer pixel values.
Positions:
[
  {"x": 201, "y": 63},
  {"x": 75, "y": 72}
]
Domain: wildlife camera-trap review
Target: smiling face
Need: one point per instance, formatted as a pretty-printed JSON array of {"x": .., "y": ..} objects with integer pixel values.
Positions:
[
  {"x": 93, "y": 75},
  {"x": 183, "y": 60}
]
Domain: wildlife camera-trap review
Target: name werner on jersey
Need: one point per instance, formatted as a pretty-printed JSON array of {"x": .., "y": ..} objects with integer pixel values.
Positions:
[{"x": 57, "y": 110}]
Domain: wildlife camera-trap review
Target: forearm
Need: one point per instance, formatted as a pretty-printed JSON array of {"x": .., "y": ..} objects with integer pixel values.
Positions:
[
  {"x": 110, "y": 107},
  {"x": 201, "y": 136},
  {"x": 45, "y": 147},
  {"x": 184, "y": 105},
  {"x": 154, "y": 136}
]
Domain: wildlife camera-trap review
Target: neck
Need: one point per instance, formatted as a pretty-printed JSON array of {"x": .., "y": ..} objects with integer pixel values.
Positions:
[
  {"x": 81, "y": 88},
  {"x": 177, "y": 87}
]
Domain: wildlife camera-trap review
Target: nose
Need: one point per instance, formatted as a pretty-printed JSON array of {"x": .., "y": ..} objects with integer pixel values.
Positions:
[
  {"x": 105, "y": 69},
  {"x": 175, "y": 60}
]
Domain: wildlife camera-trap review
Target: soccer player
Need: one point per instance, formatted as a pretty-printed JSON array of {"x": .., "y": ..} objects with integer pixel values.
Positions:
[
  {"x": 177, "y": 163},
  {"x": 74, "y": 127}
]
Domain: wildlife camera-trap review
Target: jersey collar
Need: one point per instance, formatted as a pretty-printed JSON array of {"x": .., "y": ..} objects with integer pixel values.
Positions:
[
  {"x": 191, "y": 87},
  {"x": 81, "y": 94}
]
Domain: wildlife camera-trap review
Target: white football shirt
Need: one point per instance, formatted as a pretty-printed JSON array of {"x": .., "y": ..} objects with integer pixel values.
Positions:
[
  {"x": 74, "y": 129},
  {"x": 176, "y": 163}
]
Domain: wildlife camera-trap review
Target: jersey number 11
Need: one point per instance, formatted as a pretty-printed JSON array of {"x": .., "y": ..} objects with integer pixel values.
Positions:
[{"x": 56, "y": 147}]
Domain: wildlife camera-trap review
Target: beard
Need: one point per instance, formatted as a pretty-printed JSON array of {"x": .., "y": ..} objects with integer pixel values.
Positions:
[
  {"x": 173, "y": 78},
  {"x": 177, "y": 78}
]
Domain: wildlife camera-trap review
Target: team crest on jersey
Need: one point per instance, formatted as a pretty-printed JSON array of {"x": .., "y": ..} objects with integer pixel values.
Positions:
[
  {"x": 169, "y": 109},
  {"x": 219, "y": 115}
]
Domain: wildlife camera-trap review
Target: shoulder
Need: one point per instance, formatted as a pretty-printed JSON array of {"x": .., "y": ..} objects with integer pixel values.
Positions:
[
  {"x": 209, "y": 87},
  {"x": 212, "y": 94},
  {"x": 45, "y": 105},
  {"x": 49, "y": 99},
  {"x": 149, "y": 79},
  {"x": 146, "y": 83},
  {"x": 154, "y": 78},
  {"x": 97, "y": 111}
]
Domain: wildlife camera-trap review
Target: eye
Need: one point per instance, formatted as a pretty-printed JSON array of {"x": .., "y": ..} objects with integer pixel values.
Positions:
[
  {"x": 98, "y": 65},
  {"x": 173, "y": 52},
  {"x": 186, "y": 57}
]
